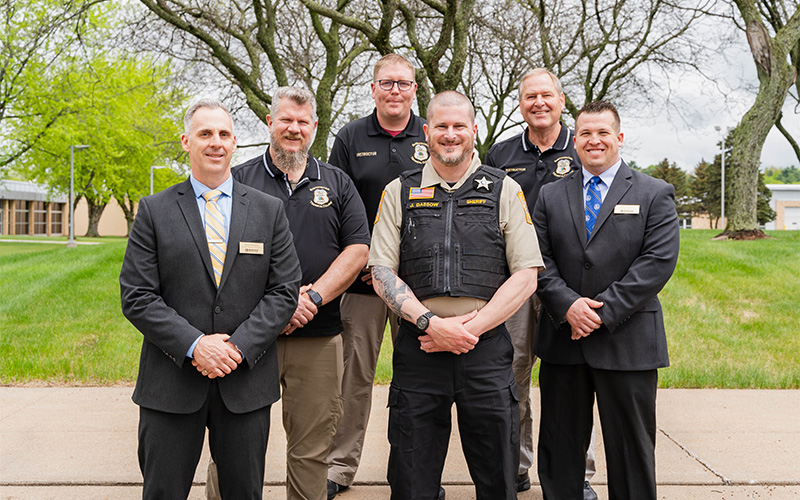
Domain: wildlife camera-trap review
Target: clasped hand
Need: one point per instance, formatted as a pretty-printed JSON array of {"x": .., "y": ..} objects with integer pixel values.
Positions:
[
  {"x": 582, "y": 317},
  {"x": 214, "y": 356},
  {"x": 449, "y": 335},
  {"x": 305, "y": 312}
]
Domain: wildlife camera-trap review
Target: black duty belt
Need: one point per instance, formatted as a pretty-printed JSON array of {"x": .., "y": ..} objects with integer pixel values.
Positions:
[{"x": 419, "y": 333}]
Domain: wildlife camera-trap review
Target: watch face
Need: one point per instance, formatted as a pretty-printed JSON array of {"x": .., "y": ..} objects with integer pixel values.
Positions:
[
  {"x": 315, "y": 297},
  {"x": 422, "y": 322}
]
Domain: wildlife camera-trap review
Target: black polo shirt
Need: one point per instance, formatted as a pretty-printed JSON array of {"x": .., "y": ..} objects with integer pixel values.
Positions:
[
  {"x": 372, "y": 158},
  {"x": 532, "y": 168},
  {"x": 325, "y": 215}
]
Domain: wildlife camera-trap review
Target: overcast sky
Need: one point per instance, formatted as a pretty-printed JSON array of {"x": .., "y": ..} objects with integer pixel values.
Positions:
[
  {"x": 687, "y": 134},
  {"x": 648, "y": 141}
]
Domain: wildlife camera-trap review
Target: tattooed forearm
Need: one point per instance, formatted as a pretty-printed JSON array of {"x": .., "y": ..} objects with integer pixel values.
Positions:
[{"x": 392, "y": 290}]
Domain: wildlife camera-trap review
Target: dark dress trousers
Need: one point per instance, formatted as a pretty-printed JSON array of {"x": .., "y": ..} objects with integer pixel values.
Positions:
[
  {"x": 168, "y": 293},
  {"x": 628, "y": 260}
]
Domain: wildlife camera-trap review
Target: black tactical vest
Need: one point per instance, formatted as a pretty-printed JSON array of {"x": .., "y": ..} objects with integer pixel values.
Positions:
[{"x": 450, "y": 243}]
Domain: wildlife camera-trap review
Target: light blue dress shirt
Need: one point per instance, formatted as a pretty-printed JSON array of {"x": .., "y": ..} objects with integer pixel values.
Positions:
[{"x": 225, "y": 202}]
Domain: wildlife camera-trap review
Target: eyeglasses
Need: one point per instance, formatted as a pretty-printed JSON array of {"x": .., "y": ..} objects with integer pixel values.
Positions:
[{"x": 402, "y": 85}]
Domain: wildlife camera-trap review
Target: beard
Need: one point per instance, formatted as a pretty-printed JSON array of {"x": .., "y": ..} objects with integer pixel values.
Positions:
[
  {"x": 449, "y": 160},
  {"x": 288, "y": 161}
]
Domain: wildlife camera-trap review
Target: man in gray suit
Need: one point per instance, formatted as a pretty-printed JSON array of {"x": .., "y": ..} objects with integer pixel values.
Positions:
[
  {"x": 609, "y": 238},
  {"x": 210, "y": 278}
]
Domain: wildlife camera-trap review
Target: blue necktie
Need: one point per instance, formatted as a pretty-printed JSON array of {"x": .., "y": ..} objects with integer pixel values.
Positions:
[{"x": 593, "y": 204}]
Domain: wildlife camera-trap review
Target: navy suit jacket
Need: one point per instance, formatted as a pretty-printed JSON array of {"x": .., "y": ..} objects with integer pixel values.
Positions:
[
  {"x": 168, "y": 294},
  {"x": 628, "y": 260}
]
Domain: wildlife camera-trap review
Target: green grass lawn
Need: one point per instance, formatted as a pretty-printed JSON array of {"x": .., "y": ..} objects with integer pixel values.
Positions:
[
  {"x": 731, "y": 311},
  {"x": 60, "y": 318}
]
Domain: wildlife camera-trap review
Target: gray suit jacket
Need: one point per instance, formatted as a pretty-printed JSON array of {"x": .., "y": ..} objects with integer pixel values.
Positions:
[
  {"x": 628, "y": 260},
  {"x": 168, "y": 294}
]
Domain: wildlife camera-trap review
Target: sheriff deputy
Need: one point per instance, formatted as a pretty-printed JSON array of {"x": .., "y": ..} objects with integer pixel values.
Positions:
[{"x": 454, "y": 254}]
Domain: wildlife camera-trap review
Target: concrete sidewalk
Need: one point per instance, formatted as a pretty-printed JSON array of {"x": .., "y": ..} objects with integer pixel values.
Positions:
[{"x": 80, "y": 443}]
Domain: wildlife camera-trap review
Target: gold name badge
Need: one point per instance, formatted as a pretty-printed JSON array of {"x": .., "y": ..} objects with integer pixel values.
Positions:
[
  {"x": 251, "y": 248},
  {"x": 626, "y": 209}
]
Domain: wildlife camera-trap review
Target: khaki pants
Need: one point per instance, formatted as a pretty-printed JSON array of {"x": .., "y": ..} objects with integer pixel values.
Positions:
[
  {"x": 522, "y": 327},
  {"x": 364, "y": 318},
  {"x": 311, "y": 381}
]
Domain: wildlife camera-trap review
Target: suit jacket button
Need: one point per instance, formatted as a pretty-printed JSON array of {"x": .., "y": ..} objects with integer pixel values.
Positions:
[
  {"x": 218, "y": 309},
  {"x": 587, "y": 265}
]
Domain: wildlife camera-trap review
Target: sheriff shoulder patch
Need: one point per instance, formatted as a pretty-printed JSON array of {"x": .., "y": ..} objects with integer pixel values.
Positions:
[{"x": 521, "y": 197}]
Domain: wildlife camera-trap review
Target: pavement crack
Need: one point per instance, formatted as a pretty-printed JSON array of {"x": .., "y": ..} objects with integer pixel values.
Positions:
[{"x": 725, "y": 480}]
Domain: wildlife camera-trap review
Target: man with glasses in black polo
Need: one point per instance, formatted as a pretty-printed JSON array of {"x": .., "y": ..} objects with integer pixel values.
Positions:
[{"x": 373, "y": 151}]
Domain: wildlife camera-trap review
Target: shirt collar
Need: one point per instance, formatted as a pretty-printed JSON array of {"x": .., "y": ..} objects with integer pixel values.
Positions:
[
  {"x": 431, "y": 178},
  {"x": 200, "y": 188},
  {"x": 564, "y": 136},
  {"x": 374, "y": 126},
  {"x": 312, "y": 167},
  {"x": 607, "y": 176}
]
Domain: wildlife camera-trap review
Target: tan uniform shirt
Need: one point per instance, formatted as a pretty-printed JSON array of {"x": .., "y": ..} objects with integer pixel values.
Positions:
[{"x": 522, "y": 246}]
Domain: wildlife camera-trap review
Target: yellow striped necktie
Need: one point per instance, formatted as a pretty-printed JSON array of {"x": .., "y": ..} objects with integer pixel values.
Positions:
[{"x": 215, "y": 232}]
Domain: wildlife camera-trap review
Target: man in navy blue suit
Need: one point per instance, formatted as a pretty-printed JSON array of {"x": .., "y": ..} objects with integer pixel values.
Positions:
[{"x": 609, "y": 238}]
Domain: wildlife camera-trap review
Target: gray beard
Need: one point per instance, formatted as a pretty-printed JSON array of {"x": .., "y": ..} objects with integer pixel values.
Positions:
[{"x": 288, "y": 161}]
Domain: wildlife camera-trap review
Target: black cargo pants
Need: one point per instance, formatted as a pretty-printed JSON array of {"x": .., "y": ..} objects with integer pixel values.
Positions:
[{"x": 424, "y": 388}]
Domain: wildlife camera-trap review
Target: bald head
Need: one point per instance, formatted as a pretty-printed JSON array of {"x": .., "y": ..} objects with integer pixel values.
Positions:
[{"x": 450, "y": 98}]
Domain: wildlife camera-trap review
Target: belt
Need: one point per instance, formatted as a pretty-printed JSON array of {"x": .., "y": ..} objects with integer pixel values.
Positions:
[{"x": 419, "y": 333}]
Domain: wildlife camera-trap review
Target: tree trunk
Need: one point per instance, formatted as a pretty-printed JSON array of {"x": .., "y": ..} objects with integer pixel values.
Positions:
[
  {"x": 127, "y": 208},
  {"x": 95, "y": 212},
  {"x": 776, "y": 75},
  {"x": 748, "y": 141}
]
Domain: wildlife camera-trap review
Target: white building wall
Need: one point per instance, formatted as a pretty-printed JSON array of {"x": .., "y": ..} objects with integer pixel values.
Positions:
[{"x": 786, "y": 203}]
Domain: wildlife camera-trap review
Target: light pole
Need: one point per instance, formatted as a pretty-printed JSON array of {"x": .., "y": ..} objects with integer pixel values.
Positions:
[
  {"x": 152, "y": 167},
  {"x": 722, "y": 189},
  {"x": 71, "y": 241}
]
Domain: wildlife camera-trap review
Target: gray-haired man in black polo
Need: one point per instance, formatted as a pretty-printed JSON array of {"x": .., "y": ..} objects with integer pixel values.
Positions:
[
  {"x": 372, "y": 151},
  {"x": 330, "y": 233}
]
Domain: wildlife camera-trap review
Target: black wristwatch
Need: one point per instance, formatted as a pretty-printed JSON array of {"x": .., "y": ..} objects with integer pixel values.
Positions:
[
  {"x": 315, "y": 297},
  {"x": 424, "y": 320}
]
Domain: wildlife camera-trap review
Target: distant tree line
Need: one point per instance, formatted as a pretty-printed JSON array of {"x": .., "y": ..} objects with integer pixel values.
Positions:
[
  {"x": 700, "y": 193},
  {"x": 788, "y": 175}
]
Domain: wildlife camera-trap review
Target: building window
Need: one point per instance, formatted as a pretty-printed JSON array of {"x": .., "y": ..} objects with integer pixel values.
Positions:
[
  {"x": 39, "y": 217},
  {"x": 21, "y": 217},
  {"x": 56, "y": 219}
]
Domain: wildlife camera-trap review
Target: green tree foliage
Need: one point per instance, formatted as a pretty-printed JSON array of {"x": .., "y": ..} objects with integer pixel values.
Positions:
[
  {"x": 765, "y": 213},
  {"x": 34, "y": 36},
  {"x": 681, "y": 181},
  {"x": 706, "y": 193},
  {"x": 123, "y": 109},
  {"x": 790, "y": 175},
  {"x": 777, "y": 175}
]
